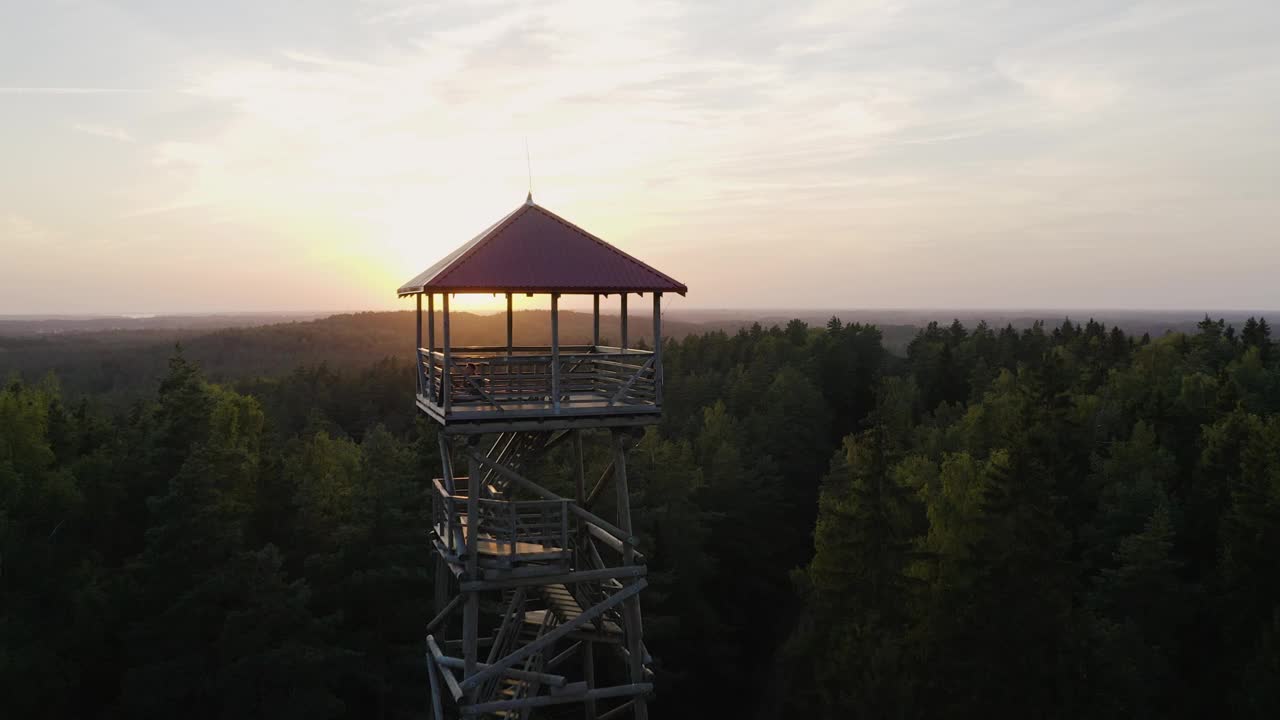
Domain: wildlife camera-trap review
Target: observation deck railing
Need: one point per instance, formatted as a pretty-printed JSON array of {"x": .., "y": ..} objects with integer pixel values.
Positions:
[{"x": 473, "y": 383}]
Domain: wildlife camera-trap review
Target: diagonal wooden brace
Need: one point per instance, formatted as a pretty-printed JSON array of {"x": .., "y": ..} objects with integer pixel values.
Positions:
[
  {"x": 560, "y": 631},
  {"x": 623, "y": 390}
]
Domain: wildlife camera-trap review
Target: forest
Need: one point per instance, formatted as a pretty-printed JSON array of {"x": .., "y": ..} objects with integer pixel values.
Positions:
[{"x": 1055, "y": 521}]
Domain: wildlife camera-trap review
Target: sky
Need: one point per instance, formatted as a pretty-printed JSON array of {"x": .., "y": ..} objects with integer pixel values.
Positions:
[{"x": 167, "y": 156}]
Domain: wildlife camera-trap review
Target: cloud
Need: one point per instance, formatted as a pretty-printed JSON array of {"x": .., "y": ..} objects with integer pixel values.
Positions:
[
  {"x": 20, "y": 230},
  {"x": 888, "y": 134},
  {"x": 1069, "y": 89},
  {"x": 70, "y": 91},
  {"x": 102, "y": 131}
]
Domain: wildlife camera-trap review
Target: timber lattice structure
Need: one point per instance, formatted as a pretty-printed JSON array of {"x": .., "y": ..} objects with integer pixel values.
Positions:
[{"x": 537, "y": 595}]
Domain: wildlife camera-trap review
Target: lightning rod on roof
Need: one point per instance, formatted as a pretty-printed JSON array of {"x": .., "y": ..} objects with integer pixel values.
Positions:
[{"x": 528, "y": 164}]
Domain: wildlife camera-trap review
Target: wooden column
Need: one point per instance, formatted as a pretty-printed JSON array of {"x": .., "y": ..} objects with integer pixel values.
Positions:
[
  {"x": 431, "y": 348},
  {"x": 657, "y": 348},
  {"x": 595, "y": 319},
  {"x": 624, "y": 322},
  {"x": 582, "y": 546},
  {"x": 442, "y": 572},
  {"x": 589, "y": 675},
  {"x": 417, "y": 350},
  {"x": 471, "y": 611},
  {"x": 448, "y": 355},
  {"x": 442, "y": 587},
  {"x": 446, "y": 461},
  {"x": 509, "y": 328},
  {"x": 555, "y": 352},
  {"x": 630, "y": 608},
  {"x": 580, "y": 485}
]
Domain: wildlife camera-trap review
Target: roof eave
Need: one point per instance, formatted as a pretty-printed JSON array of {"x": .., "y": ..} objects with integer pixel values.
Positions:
[{"x": 407, "y": 291}]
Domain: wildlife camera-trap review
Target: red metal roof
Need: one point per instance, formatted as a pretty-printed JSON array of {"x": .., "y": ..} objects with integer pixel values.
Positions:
[{"x": 534, "y": 250}]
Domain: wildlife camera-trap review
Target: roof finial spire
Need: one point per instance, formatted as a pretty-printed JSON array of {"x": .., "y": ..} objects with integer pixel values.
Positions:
[{"x": 528, "y": 200}]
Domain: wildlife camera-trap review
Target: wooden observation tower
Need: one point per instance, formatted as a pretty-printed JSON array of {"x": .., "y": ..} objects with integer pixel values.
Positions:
[{"x": 537, "y": 596}]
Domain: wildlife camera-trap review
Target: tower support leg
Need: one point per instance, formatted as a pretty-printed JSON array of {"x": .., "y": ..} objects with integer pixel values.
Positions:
[
  {"x": 631, "y": 608},
  {"x": 583, "y": 559},
  {"x": 471, "y": 611}
]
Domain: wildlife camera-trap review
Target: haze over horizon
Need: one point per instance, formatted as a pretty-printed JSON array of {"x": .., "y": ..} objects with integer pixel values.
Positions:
[{"x": 253, "y": 157}]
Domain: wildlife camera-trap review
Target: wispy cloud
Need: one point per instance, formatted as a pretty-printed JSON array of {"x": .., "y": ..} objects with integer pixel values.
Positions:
[
  {"x": 20, "y": 230},
  {"x": 71, "y": 91},
  {"x": 928, "y": 145},
  {"x": 102, "y": 131}
]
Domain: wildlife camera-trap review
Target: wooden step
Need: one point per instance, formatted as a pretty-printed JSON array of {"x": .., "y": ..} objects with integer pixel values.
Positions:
[{"x": 566, "y": 606}]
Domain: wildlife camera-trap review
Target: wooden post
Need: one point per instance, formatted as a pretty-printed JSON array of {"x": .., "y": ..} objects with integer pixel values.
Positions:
[
  {"x": 555, "y": 353},
  {"x": 442, "y": 585},
  {"x": 624, "y": 322},
  {"x": 448, "y": 355},
  {"x": 580, "y": 482},
  {"x": 631, "y": 608},
  {"x": 582, "y": 545},
  {"x": 431, "y": 348},
  {"x": 624, "y": 493},
  {"x": 589, "y": 675},
  {"x": 471, "y": 612},
  {"x": 417, "y": 350},
  {"x": 437, "y": 709},
  {"x": 509, "y": 328},
  {"x": 446, "y": 460},
  {"x": 657, "y": 348},
  {"x": 595, "y": 320}
]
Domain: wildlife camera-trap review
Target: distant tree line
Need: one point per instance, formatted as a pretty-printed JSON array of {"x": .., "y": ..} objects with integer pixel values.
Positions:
[{"x": 1052, "y": 522}]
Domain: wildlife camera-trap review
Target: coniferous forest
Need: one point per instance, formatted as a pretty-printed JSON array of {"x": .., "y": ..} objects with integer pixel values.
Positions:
[{"x": 1053, "y": 522}]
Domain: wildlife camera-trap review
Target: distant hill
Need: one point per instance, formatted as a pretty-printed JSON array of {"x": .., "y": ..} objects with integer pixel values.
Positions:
[
  {"x": 119, "y": 358},
  {"x": 20, "y": 325},
  {"x": 120, "y": 363}
]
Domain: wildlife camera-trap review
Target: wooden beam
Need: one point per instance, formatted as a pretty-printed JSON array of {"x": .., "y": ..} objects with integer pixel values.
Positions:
[
  {"x": 624, "y": 322},
  {"x": 449, "y": 679},
  {"x": 624, "y": 493},
  {"x": 562, "y": 657},
  {"x": 555, "y": 634},
  {"x": 598, "y": 533},
  {"x": 595, "y": 319},
  {"x": 548, "y": 678},
  {"x": 442, "y": 591},
  {"x": 471, "y": 617},
  {"x": 617, "y": 712},
  {"x": 575, "y": 576},
  {"x": 657, "y": 348},
  {"x": 446, "y": 461},
  {"x": 555, "y": 352},
  {"x": 437, "y": 709},
  {"x": 599, "y": 486},
  {"x": 556, "y": 439},
  {"x": 448, "y": 355},
  {"x": 509, "y": 326},
  {"x": 589, "y": 676},
  {"x": 632, "y": 380},
  {"x": 509, "y": 618},
  {"x": 631, "y": 610},
  {"x": 431, "y": 347},
  {"x": 579, "y": 484},
  {"x": 444, "y": 613},
  {"x": 417, "y": 350},
  {"x": 635, "y": 689},
  {"x": 617, "y": 416}
]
